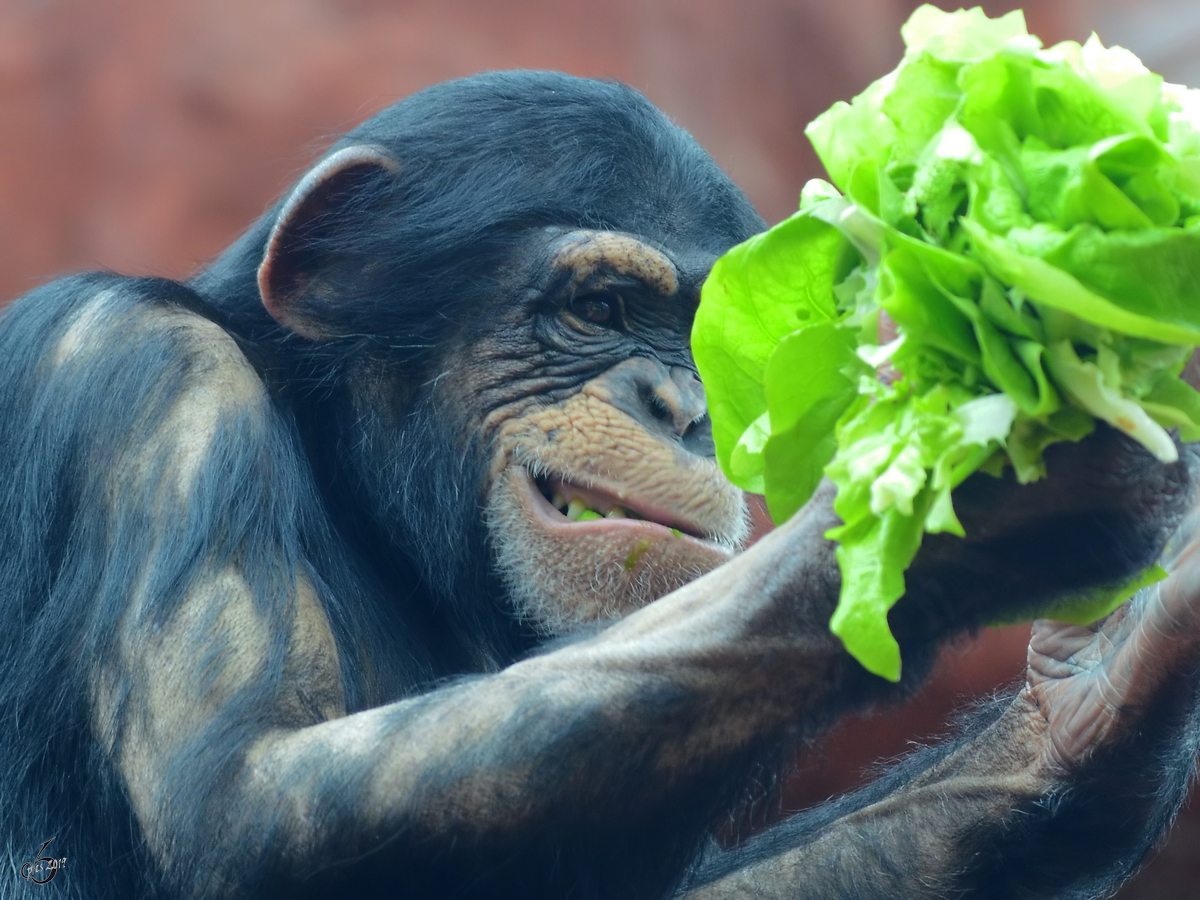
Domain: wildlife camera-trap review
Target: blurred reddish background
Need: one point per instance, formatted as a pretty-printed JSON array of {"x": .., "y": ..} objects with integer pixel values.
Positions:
[{"x": 142, "y": 136}]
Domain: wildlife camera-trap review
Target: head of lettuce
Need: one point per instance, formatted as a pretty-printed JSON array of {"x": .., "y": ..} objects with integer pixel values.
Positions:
[{"x": 1029, "y": 219}]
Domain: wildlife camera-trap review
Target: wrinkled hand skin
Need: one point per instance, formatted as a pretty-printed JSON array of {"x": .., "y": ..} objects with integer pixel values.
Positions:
[
  {"x": 1059, "y": 790},
  {"x": 1089, "y": 685}
]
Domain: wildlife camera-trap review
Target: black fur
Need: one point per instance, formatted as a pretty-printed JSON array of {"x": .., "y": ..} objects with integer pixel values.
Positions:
[{"x": 352, "y": 476}]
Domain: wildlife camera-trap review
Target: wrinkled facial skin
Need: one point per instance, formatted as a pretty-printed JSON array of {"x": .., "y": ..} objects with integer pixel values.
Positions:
[{"x": 589, "y": 400}]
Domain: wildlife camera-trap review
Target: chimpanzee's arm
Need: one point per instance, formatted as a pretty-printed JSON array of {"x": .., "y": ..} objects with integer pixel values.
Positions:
[
  {"x": 598, "y": 766},
  {"x": 1057, "y": 792},
  {"x": 978, "y": 817}
]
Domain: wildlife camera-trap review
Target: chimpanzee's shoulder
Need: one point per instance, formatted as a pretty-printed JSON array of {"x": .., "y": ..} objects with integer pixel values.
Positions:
[
  {"x": 100, "y": 321},
  {"x": 143, "y": 356}
]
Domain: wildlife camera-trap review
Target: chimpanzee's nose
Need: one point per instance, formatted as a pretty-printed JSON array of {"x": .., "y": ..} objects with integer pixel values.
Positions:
[
  {"x": 663, "y": 399},
  {"x": 679, "y": 399}
]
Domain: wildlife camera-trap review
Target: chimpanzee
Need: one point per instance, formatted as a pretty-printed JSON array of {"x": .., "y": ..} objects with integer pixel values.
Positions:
[{"x": 388, "y": 557}]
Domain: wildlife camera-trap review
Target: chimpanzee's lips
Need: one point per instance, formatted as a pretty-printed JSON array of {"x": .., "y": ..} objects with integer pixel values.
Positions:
[
  {"x": 575, "y": 502},
  {"x": 562, "y": 504}
]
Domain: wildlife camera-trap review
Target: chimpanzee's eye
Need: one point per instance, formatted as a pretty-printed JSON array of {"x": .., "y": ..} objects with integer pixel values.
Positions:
[{"x": 599, "y": 309}]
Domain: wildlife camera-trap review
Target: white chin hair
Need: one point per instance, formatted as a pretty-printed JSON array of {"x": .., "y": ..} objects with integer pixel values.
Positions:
[{"x": 556, "y": 591}]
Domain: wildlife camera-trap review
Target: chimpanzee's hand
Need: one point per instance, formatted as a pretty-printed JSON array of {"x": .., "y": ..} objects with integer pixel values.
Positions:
[
  {"x": 1102, "y": 514},
  {"x": 1091, "y": 685}
]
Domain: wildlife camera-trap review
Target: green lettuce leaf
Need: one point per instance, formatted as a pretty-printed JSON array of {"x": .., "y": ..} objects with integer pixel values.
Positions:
[
  {"x": 758, "y": 293},
  {"x": 804, "y": 412},
  {"x": 1029, "y": 219}
]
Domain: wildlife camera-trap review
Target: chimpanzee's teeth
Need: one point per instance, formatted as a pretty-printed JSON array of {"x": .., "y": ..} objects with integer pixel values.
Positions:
[{"x": 577, "y": 510}]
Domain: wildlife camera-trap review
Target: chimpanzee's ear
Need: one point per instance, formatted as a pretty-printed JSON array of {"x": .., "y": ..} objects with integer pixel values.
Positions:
[{"x": 286, "y": 274}]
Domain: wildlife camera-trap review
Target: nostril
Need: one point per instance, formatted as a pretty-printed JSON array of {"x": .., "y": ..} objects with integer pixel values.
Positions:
[
  {"x": 659, "y": 408},
  {"x": 697, "y": 438}
]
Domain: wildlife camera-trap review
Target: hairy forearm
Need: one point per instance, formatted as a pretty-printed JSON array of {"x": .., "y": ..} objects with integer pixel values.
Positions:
[
  {"x": 985, "y": 815},
  {"x": 901, "y": 836},
  {"x": 666, "y": 707}
]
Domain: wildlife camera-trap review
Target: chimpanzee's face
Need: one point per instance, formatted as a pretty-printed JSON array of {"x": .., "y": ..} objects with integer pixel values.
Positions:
[
  {"x": 602, "y": 492},
  {"x": 555, "y": 387}
]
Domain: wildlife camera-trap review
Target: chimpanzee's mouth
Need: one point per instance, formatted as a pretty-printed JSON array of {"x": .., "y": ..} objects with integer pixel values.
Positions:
[{"x": 577, "y": 504}]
